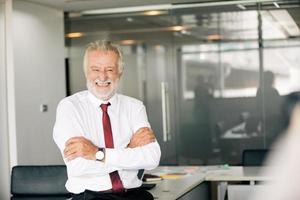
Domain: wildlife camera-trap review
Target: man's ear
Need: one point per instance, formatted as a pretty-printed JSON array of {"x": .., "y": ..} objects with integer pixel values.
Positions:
[{"x": 120, "y": 74}]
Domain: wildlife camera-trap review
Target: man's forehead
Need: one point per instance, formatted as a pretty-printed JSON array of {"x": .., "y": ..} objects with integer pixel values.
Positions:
[
  {"x": 102, "y": 52},
  {"x": 98, "y": 58}
]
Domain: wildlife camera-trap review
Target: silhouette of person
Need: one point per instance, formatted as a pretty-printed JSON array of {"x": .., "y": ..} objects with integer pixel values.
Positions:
[
  {"x": 202, "y": 114},
  {"x": 202, "y": 97},
  {"x": 271, "y": 105}
]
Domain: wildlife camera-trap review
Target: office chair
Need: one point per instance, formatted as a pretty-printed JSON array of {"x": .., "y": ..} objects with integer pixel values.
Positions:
[
  {"x": 254, "y": 157},
  {"x": 39, "y": 183}
]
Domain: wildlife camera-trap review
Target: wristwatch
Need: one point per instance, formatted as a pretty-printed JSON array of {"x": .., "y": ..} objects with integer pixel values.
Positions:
[{"x": 100, "y": 154}]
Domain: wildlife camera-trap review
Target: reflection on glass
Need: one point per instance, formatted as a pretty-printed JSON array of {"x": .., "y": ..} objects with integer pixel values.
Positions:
[
  {"x": 209, "y": 59},
  {"x": 232, "y": 71}
]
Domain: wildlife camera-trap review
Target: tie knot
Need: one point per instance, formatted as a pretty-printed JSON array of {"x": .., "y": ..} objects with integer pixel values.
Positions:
[{"x": 104, "y": 107}]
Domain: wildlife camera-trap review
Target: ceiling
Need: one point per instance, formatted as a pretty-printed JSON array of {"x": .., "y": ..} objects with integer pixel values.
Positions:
[
  {"x": 203, "y": 19},
  {"x": 79, "y": 5},
  {"x": 200, "y": 22}
]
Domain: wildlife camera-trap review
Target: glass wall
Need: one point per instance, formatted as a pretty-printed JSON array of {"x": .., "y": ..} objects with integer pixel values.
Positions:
[{"x": 212, "y": 78}]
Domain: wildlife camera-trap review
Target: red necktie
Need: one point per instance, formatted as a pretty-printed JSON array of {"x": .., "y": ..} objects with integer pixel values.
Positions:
[{"x": 117, "y": 185}]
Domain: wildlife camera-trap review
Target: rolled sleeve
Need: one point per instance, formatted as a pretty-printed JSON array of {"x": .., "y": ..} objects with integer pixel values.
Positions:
[
  {"x": 139, "y": 118},
  {"x": 144, "y": 157}
]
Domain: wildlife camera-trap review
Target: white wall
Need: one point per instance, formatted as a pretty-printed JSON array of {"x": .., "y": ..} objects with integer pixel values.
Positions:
[
  {"x": 38, "y": 37},
  {"x": 4, "y": 147}
]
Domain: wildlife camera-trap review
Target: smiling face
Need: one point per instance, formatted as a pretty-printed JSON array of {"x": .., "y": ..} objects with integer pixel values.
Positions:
[{"x": 102, "y": 73}]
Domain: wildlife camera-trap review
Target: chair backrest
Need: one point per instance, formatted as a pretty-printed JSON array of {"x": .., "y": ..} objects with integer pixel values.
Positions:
[
  {"x": 39, "y": 181},
  {"x": 254, "y": 157}
]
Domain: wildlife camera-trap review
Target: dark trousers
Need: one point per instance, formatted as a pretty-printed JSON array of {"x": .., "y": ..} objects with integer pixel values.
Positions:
[{"x": 132, "y": 194}]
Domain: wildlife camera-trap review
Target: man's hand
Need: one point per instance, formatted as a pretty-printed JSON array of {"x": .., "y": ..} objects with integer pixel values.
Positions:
[
  {"x": 142, "y": 137},
  {"x": 80, "y": 147}
]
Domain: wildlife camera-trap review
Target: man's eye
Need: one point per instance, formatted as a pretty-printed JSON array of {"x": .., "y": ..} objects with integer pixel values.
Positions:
[{"x": 95, "y": 70}]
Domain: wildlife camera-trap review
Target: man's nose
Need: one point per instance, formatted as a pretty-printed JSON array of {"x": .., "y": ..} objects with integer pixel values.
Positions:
[{"x": 102, "y": 75}]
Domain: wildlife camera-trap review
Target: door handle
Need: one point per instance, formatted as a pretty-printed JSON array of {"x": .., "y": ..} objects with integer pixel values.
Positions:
[{"x": 165, "y": 111}]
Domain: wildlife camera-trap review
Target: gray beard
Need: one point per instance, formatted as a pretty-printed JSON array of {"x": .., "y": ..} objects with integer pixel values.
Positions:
[{"x": 102, "y": 97}]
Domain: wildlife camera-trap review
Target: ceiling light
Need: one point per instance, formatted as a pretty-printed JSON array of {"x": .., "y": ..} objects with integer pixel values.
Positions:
[
  {"x": 171, "y": 6},
  {"x": 176, "y": 28},
  {"x": 276, "y": 4},
  {"x": 74, "y": 35},
  {"x": 128, "y": 42},
  {"x": 241, "y": 6},
  {"x": 129, "y": 19},
  {"x": 154, "y": 12},
  {"x": 128, "y": 9}
]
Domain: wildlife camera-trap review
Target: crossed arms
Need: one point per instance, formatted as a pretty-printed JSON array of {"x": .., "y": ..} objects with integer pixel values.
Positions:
[
  {"x": 81, "y": 147},
  {"x": 142, "y": 151}
]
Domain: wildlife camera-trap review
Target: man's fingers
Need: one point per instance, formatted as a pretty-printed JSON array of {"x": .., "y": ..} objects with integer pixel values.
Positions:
[
  {"x": 147, "y": 135},
  {"x": 70, "y": 150},
  {"x": 74, "y": 140},
  {"x": 144, "y": 142},
  {"x": 79, "y": 147},
  {"x": 143, "y": 129},
  {"x": 72, "y": 156},
  {"x": 142, "y": 137}
]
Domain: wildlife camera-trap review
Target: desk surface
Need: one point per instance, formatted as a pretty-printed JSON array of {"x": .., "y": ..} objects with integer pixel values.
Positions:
[
  {"x": 171, "y": 189},
  {"x": 236, "y": 174}
]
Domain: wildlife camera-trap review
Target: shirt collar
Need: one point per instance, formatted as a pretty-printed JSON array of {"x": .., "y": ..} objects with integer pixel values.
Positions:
[{"x": 97, "y": 102}]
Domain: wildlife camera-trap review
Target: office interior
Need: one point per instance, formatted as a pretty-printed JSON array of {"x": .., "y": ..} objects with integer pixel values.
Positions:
[{"x": 202, "y": 69}]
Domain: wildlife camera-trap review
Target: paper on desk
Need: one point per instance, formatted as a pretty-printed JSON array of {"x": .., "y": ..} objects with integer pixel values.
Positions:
[{"x": 173, "y": 175}]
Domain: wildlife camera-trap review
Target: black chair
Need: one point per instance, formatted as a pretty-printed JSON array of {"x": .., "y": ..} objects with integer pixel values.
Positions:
[
  {"x": 39, "y": 183},
  {"x": 254, "y": 157}
]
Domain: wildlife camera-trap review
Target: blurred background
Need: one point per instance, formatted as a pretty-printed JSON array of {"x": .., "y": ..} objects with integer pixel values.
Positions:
[{"x": 212, "y": 74}]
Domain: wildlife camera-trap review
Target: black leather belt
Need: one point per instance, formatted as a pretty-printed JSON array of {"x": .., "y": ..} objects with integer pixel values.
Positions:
[{"x": 88, "y": 194}]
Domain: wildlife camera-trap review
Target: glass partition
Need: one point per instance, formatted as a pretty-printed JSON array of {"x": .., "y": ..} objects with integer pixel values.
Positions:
[{"x": 201, "y": 72}]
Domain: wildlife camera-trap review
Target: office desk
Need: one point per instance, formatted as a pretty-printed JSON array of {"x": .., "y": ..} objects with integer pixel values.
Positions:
[
  {"x": 225, "y": 175},
  {"x": 235, "y": 173},
  {"x": 171, "y": 189}
]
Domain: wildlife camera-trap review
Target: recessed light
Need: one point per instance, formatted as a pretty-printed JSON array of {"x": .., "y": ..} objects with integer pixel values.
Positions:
[
  {"x": 74, "y": 35},
  {"x": 128, "y": 42},
  {"x": 154, "y": 12},
  {"x": 129, "y": 19},
  {"x": 176, "y": 28}
]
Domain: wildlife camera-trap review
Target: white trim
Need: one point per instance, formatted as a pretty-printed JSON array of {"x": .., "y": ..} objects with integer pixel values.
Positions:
[
  {"x": 10, "y": 80},
  {"x": 168, "y": 7}
]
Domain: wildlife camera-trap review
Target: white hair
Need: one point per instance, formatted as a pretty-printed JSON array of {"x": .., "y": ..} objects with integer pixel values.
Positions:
[{"x": 103, "y": 45}]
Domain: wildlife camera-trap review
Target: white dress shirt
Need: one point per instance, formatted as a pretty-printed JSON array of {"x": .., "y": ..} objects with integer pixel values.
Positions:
[{"x": 81, "y": 115}]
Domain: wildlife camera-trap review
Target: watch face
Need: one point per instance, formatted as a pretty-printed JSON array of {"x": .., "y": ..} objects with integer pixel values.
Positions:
[{"x": 99, "y": 155}]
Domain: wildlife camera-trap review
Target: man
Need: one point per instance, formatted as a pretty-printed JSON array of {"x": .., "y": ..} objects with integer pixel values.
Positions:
[
  {"x": 269, "y": 100},
  {"x": 104, "y": 137}
]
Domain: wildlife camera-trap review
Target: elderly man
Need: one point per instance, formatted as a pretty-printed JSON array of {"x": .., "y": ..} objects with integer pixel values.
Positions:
[{"x": 104, "y": 137}]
